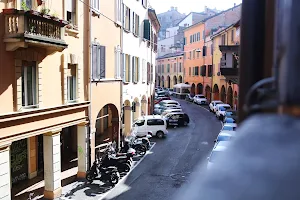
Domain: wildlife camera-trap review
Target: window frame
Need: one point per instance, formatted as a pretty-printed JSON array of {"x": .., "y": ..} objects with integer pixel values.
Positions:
[
  {"x": 34, "y": 85},
  {"x": 74, "y": 87}
]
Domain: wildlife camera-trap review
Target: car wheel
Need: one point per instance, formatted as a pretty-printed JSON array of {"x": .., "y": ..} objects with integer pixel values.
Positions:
[
  {"x": 185, "y": 123},
  {"x": 160, "y": 134}
]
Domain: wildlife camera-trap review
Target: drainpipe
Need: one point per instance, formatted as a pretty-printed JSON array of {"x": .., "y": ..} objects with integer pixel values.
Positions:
[{"x": 121, "y": 86}]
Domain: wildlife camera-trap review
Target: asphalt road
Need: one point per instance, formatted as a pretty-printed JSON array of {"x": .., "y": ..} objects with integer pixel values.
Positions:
[{"x": 168, "y": 165}]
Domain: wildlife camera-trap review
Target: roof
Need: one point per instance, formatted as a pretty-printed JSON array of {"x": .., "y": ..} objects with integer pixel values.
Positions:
[
  {"x": 169, "y": 55},
  {"x": 154, "y": 19},
  {"x": 212, "y": 16},
  {"x": 199, "y": 13}
]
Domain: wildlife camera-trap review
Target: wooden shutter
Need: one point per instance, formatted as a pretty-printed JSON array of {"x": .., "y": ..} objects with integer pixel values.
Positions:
[
  {"x": 204, "y": 51},
  {"x": 124, "y": 15},
  {"x": 94, "y": 62},
  {"x": 102, "y": 61},
  {"x": 123, "y": 67},
  {"x": 147, "y": 29}
]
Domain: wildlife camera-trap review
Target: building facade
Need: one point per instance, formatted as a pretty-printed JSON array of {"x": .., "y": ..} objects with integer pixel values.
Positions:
[
  {"x": 139, "y": 41},
  {"x": 105, "y": 82},
  {"x": 169, "y": 70},
  {"x": 225, "y": 59},
  {"x": 44, "y": 96}
]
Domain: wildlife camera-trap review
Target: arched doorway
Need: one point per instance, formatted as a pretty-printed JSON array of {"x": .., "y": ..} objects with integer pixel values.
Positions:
[
  {"x": 158, "y": 81},
  {"x": 127, "y": 117},
  {"x": 199, "y": 88},
  {"x": 136, "y": 109},
  {"x": 168, "y": 81},
  {"x": 144, "y": 105},
  {"x": 230, "y": 96},
  {"x": 162, "y": 81},
  {"x": 180, "y": 79},
  {"x": 107, "y": 125},
  {"x": 174, "y": 80},
  {"x": 235, "y": 100},
  {"x": 207, "y": 92},
  {"x": 193, "y": 88},
  {"x": 223, "y": 94},
  {"x": 216, "y": 92}
]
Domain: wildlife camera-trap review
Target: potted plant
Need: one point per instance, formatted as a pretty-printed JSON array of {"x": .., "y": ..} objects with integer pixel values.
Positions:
[{"x": 54, "y": 16}]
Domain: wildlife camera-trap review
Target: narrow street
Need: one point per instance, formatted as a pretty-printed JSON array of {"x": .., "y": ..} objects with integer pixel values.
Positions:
[{"x": 172, "y": 159}]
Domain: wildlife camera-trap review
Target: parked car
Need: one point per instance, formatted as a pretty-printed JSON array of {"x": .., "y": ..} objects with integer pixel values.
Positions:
[
  {"x": 165, "y": 102},
  {"x": 216, "y": 152},
  {"x": 159, "y": 99},
  {"x": 229, "y": 127},
  {"x": 230, "y": 114},
  {"x": 200, "y": 99},
  {"x": 177, "y": 119},
  {"x": 213, "y": 104},
  {"x": 155, "y": 124},
  {"x": 221, "y": 110},
  {"x": 189, "y": 97},
  {"x": 167, "y": 107},
  {"x": 224, "y": 136},
  {"x": 228, "y": 120},
  {"x": 171, "y": 110}
]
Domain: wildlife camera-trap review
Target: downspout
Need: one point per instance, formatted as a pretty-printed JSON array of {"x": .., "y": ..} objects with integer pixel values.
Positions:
[
  {"x": 121, "y": 82},
  {"x": 212, "y": 70}
]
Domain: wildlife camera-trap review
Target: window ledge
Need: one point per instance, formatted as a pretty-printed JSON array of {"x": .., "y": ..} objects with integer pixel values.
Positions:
[
  {"x": 106, "y": 80},
  {"x": 125, "y": 82},
  {"x": 95, "y": 13},
  {"x": 72, "y": 32},
  {"x": 126, "y": 30},
  {"x": 135, "y": 35},
  {"x": 118, "y": 24},
  {"x": 29, "y": 108}
]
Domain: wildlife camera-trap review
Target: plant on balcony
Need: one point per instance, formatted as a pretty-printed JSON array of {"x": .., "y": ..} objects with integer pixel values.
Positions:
[
  {"x": 24, "y": 6},
  {"x": 72, "y": 26},
  {"x": 45, "y": 11}
]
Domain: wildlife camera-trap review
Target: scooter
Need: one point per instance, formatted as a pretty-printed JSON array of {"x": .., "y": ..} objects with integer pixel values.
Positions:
[
  {"x": 107, "y": 174},
  {"x": 140, "y": 148},
  {"x": 144, "y": 140}
]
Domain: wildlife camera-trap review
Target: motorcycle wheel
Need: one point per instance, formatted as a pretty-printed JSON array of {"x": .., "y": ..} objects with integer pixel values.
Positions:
[
  {"x": 126, "y": 167},
  {"x": 89, "y": 176},
  {"x": 114, "y": 178},
  {"x": 141, "y": 150}
]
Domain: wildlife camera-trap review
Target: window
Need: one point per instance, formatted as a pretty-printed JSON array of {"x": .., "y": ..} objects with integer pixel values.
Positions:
[
  {"x": 163, "y": 69},
  {"x": 204, "y": 51},
  {"x": 210, "y": 70},
  {"x": 71, "y": 11},
  {"x": 191, "y": 39},
  {"x": 26, "y": 4},
  {"x": 223, "y": 40},
  {"x": 148, "y": 73},
  {"x": 232, "y": 35},
  {"x": 140, "y": 122},
  {"x": 126, "y": 19},
  {"x": 175, "y": 67},
  {"x": 144, "y": 71},
  {"x": 194, "y": 51},
  {"x": 198, "y": 36},
  {"x": 98, "y": 61},
  {"x": 196, "y": 71},
  {"x": 180, "y": 67},
  {"x": 147, "y": 30},
  {"x": 190, "y": 71},
  {"x": 127, "y": 68},
  {"x": 203, "y": 34},
  {"x": 135, "y": 24},
  {"x": 118, "y": 11},
  {"x": 133, "y": 68},
  {"x": 29, "y": 85},
  {"x": 136, "y": 69},
  {"x": 168, "y": 68},
  {"x": 190, "y": 55},
  {"x": 95, "y": 5},
  {"x": 71, "y": 83},
  {"x": 144, "y": 3},
  {"x": 155, "y": 122}
]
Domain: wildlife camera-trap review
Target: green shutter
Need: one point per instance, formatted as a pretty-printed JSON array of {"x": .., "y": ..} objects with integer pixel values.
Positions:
[{"x": 147, "y": 29}]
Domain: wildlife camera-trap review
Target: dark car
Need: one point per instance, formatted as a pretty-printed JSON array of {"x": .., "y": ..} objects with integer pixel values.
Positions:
[
  {"x": 189, "y": 97},
  {"x": 177, "y": 119}
]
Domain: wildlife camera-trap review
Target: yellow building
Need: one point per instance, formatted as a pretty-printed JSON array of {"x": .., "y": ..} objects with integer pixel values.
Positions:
[{"x": 225, "y": 39}]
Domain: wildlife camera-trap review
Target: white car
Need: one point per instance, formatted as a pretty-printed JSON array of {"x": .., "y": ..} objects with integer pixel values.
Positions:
[
  {"x": 216, "y": 152},
  {"x": 221, "y": 110},
  {"x": 171, "y": 110},
  {"x": 167, "y": 107},
  {"x": 224, "y": 135},
  {"x": 200, "y": 99},
  {"x": 229, "y": 127},
  {"x": 213, "y": 104},
  {"x": 155, "y": 124}
]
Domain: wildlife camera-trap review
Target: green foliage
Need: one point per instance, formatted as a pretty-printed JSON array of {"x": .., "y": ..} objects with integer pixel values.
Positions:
[
  {"x": 24, "y": 5},
  {"x": 45, "y": 11}
]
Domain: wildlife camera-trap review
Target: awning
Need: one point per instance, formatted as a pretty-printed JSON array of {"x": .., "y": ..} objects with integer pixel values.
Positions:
[{"x": 182, "y": 86}]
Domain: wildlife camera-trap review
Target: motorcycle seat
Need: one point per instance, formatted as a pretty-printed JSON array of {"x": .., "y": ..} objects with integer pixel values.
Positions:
[{"x": 138, "y": 136}]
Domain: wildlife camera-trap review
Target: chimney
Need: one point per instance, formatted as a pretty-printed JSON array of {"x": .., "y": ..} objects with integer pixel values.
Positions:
[{"x": 176, "y": 8}]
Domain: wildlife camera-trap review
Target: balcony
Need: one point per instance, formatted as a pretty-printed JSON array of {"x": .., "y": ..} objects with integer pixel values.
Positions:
[
  {"x": 230, "y": 74},
  {"x": 32, "y": 28}
]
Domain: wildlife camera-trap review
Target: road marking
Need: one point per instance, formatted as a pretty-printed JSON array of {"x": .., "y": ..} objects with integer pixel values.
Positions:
[{"x": 124, "y": 177}]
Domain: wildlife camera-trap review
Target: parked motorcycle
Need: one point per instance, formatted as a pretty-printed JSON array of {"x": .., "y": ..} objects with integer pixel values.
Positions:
[
  {"x": 131, "y": 142},
  {"x": 107, "y": 174},
  {"x": 144, "y": 140}
]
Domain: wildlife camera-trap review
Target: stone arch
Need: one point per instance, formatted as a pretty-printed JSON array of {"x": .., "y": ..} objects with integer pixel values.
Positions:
[
  {"x": 174, "y": 80},
  {"x": 193, "y": 88},
  {"x": 107, "y": 125},
  {"x": 180, "y": 79},
  {"x": 162, "y": 81},
  {"x": 223, "y": 94},
  {"x": 207, "y": 92},
  {"x": 136, "y": 109},
  {"x": 168, "y": 82},
  {"x": 216, "y": 92},
  {"x": 230, "y": 96},
  {"x": 199, "y": 88}
]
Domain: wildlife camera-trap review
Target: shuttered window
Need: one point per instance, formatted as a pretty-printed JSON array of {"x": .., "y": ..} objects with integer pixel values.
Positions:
[
  {"x": 133, "y": 68},
  {"x": 127, "y": 70},
  {"x": 96, "y": 5},
  {"x": 204, "y": 51},
  {"x": 144, "y": 75},
  {"x": 147, "y": 28},
  {"x": 151, "y": 73},
  {"x": 98, "y": 62},
  {"x": 148, "y": 73}
]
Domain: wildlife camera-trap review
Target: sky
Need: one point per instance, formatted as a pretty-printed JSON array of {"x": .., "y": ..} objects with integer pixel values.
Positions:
[{"x": 187, "y": 6}]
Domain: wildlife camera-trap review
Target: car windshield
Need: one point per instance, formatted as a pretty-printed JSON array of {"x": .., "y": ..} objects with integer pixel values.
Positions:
[
  {"x": 231, "y": 113},
  {"x": 229, "y": 128},
  {"x": 221, "y": 108},
  {"x": 224, "y": 138},
  {"x": 218, "y": 103},
  {"x": 139, "y": 122},
  {"x": 214, "y": 156}
]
